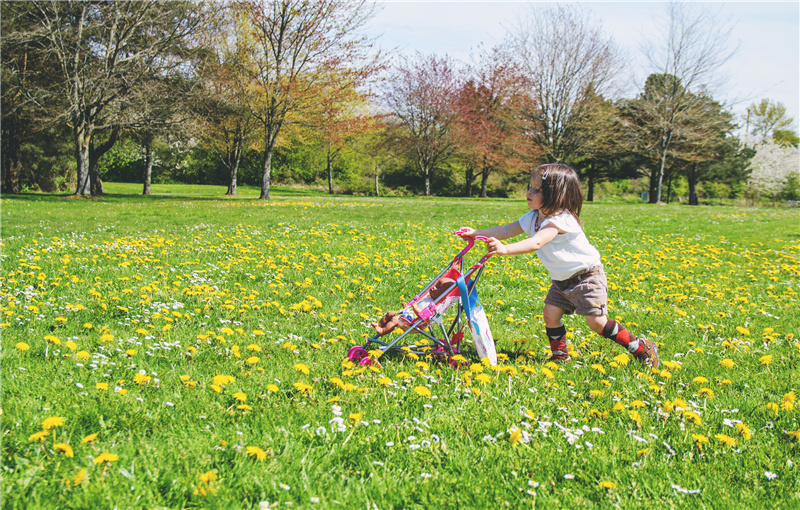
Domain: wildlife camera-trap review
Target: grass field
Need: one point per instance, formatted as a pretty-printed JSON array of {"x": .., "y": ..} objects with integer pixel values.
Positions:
[{"x": 187, "y": 350}]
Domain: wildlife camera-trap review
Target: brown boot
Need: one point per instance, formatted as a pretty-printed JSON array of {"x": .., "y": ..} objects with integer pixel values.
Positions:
[{"x": 648, "y": 353}]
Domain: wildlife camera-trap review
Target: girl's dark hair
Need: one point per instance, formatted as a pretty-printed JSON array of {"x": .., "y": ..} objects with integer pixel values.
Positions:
[{"x": 561, "y": 190}]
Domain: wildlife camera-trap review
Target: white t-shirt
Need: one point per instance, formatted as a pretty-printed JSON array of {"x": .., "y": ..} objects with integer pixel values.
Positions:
[{"x": 568, "y": 253}]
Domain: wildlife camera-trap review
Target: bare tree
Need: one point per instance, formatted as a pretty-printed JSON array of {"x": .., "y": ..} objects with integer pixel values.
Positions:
[
  {"x": 301, "y": 50},
  {"x": 422, "y": 94},
  {"x": 568, "y": 61},
  {"x": 692, "y": 50}
]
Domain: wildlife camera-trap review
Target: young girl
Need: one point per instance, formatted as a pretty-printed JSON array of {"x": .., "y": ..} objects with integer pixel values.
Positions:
[{"x": 555, "y": 233}]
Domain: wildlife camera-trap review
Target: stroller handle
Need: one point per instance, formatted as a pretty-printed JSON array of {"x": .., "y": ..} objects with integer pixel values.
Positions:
[{"x": 470, "y": 244}]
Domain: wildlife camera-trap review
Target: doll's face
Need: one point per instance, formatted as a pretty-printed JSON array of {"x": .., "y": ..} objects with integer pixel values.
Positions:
[{"x": 441, "y": 287}]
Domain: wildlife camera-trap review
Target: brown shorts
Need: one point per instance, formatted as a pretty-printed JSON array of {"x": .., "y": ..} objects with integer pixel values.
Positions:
[{"x": 584, "y": 294}]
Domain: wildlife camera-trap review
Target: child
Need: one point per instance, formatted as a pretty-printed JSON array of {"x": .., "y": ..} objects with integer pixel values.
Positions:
[
  {"x": 555, "y": 233},
  {"x": 409, "y": 314}
]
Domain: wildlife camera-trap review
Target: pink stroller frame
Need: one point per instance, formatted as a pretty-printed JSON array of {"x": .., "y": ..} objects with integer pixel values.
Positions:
[{"x": 443, "y": 341}]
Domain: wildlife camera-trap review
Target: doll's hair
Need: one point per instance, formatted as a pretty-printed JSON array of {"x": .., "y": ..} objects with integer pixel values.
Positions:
[{"x": 561, "y": 190}]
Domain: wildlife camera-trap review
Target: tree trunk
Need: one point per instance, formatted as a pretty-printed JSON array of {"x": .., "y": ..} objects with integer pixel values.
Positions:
[
  {"x": 82, "y": 139},
  {"x": 692, "y": 178},
  {"x": 267, "y": 173},
  {"x": 669, "y": 189},
  {"x": 377, "y": 173},
  {"x": 330, "y": 173},
  {"x": 469, "y": 175},
  {"x": 667, "y": 140},
  {"x": 95, "y": 153},
  {"x": 11, "y": 154},
  {"x": 148, "y": 168},
  {"x": 427, "y": 183},
  {"x": 234, "y": 159},
  {"x": 590, "y": 184},
  {"x": 484, "y": 181}
]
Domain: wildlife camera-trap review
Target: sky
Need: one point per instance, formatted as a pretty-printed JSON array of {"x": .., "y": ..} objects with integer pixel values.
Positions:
[{"x": 767, "y": 64}]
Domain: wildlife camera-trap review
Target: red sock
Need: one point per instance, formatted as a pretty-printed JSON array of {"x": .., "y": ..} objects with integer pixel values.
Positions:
[
  {"x": 617, "y": 332},
  {"x": 558, "y": 339}
]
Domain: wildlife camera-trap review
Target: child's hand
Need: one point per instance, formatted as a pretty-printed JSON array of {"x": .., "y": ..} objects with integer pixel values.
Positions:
[
  {"x": 466, "y": 232},
  {"x": 495, "y": 247}
]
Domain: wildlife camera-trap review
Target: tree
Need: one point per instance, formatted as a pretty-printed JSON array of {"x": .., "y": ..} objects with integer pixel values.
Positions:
[
  {"x": 687, "y": 59},
  {"x": 488, "y": 132},
  {"x": 766, "y": 119},
  {"x": 226, "y": 125},
  {"x": 772, "y": 169},
  {"x": 302, "y": 50},
  {"x": 422, "y": 94},
  {"x": 601, "y": 155},
  {"x": 568, "y": 62},
  {"x": 337, "y": 120},
  {"x": 103, "y": 52}
]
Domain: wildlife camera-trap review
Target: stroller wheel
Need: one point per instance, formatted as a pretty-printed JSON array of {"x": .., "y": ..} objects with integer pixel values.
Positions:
[
  {"x": 357, "y": 353},
  {"x": 367, "y": 361}
]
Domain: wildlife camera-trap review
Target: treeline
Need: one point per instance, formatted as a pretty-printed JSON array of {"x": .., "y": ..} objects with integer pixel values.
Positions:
[{"x": 295, "y": 91}]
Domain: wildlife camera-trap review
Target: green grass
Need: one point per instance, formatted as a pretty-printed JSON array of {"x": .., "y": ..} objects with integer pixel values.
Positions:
[{"x": 155, "y": 296}]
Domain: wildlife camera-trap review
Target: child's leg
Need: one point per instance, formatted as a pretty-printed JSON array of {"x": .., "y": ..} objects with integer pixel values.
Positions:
[
  {"x": 556, "y": 332},
  {"x": 641, "y": 349}
]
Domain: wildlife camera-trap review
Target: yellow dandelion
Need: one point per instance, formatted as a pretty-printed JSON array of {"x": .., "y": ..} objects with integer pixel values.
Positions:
[
  {"x": 693, "y": 417},
  {"x": 208, "y": 476},
  {"x": 403, "y": 375},
  {"x": 63, "y": 448},
  {"x": 765, "y": 360},
  {"x": 699, "y": 440},
  {"x": 790, "y": 397},
  {"x": 252, "y": 360},
  {"x": 303, "y": 369},
  {"x": 547, "y": 373},
  {"x": 515, "y": 436},
  {"x": 39, "y": 436},
  {"x": 253, "y": 348},
  {"x": 642, "y": 452},
  {"x": 272, "y": 388},
  {"x": 22, "y": 346},
  {"x": 258, "y": 453},
  {"x": 607, "y": 485},
  {"x": 743, "y": 431},
  {"x": 89, "y": 438},
  {"x": 727, "y": 363},
  {"x": 222, "y": 380},
  {"x": 727, "y": 441},
  {"x": 52, "y": 339},
  {"x": 638, "y": 404},
  {"x": 131, "y": 352},
  {"x": 52, "y": 422},
  {"x": 706, "y": 393},
  {"x": 303, "y": 388},
  {"x": 598, "y": 367},
  {"x": 240, "y": 396},
  {"x": 596, "y": 393},
  {"x": 105, "y": 457},
  {"x": 101, "y": 386},
  {"x": 476, "y": 391},
  {"x": 700, "y": 380},
  {"x": 355, "y": 418},
  {"x": 483, "y": 378},
  {"x": 422, "y": 391},
  {"x": 79, "y": 477},
  {"x": 384, "y": 381}
]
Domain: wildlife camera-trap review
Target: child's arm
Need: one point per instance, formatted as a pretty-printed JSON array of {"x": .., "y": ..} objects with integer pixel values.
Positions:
[
  {"x": 541, "y": 238},
  {"x": 498, "y": 232}
]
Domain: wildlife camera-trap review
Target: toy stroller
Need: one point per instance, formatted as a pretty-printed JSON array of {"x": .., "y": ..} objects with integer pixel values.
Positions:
[{"x": 438, "y": 337}]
